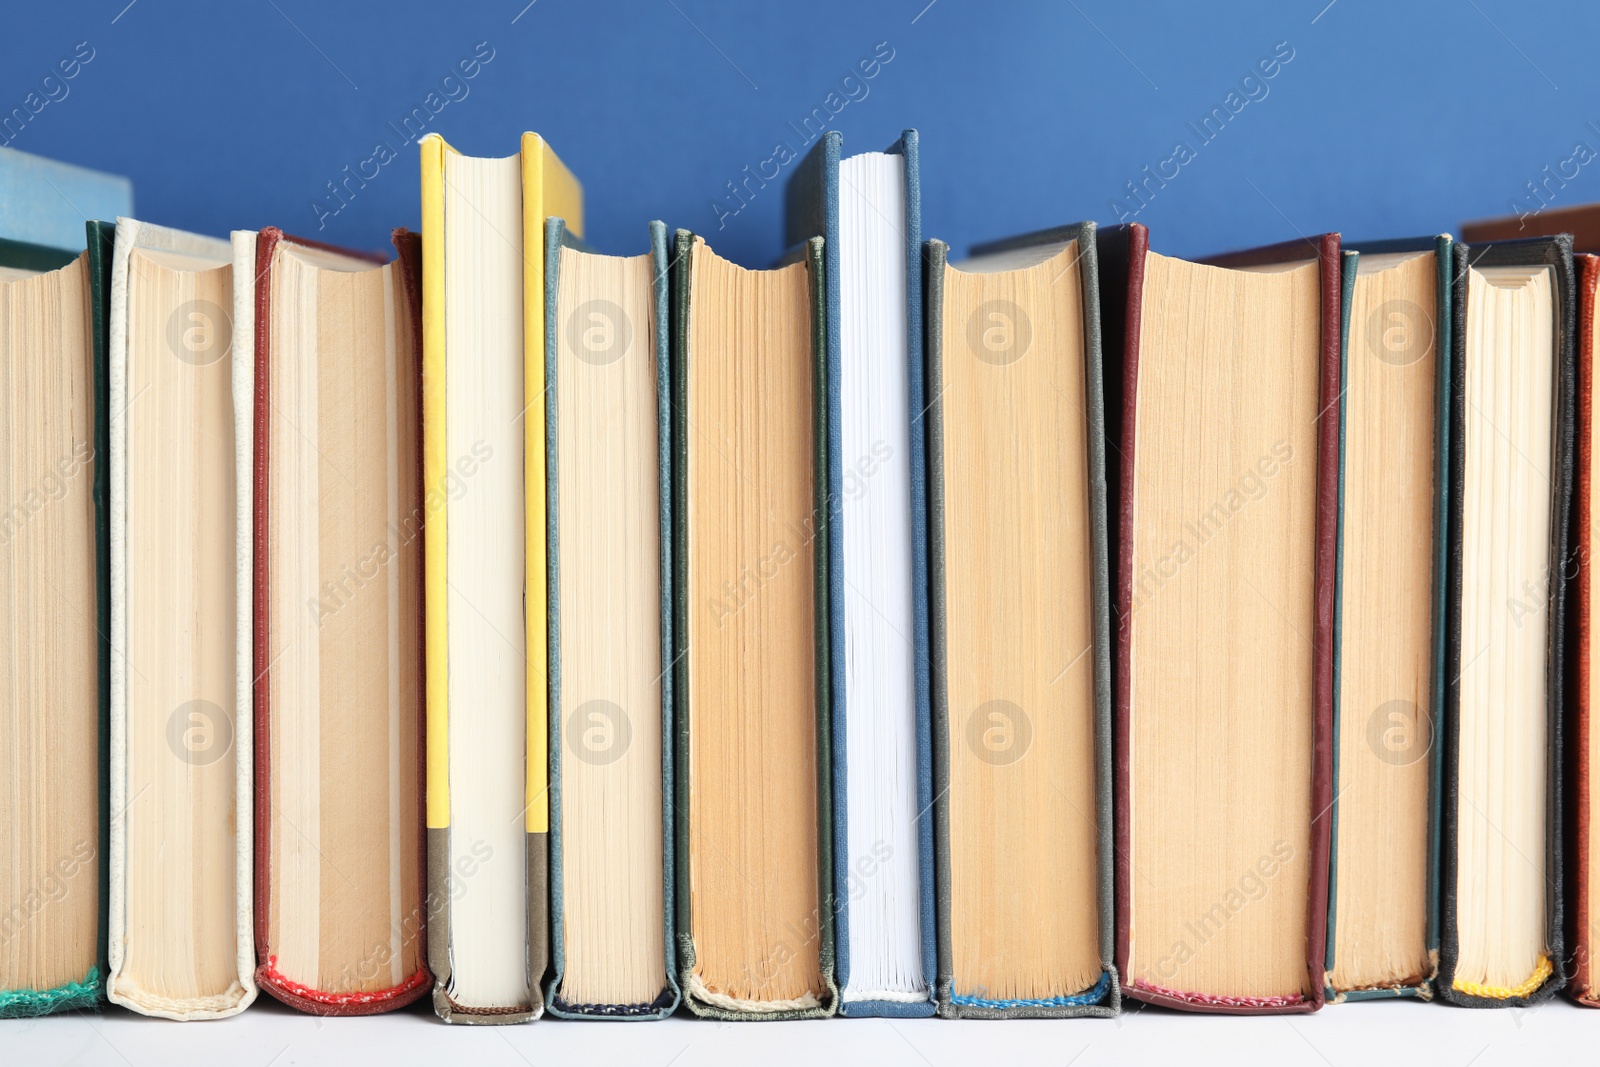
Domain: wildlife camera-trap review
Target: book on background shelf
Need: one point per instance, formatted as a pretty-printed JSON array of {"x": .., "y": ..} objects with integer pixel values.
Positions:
[
  {"x": 488, "y": 809},
  {"x": 181, "y": 770},
  {"x": 1388, "y": 652},
  {"x": 1020, "y": 595},
  {"x": 609, "y": 489},
  {"x": 868, "y": 209},
  {"x": 55, "y": 605},
  {"x": 1223, "y": 422},
  {"x": 750, "y": 513},
  {"x": 340, "y": 914},
  {"x": 1582, "y": 221},
  {"x": 46, "y": 202},
  {"x": 1512, "y": 421}
]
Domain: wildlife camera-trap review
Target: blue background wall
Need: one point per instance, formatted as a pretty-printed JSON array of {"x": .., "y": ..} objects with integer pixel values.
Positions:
[{"x": 1391, "y": 118}]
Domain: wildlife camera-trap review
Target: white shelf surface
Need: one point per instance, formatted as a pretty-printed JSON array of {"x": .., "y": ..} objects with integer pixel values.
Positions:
[{"x": 1359, "y": 1035}]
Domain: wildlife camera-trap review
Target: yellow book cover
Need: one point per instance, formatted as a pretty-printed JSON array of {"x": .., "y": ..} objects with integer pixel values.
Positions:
[
  {"x": 548, "y": 190},
  {"x": 483, "y": 444}
]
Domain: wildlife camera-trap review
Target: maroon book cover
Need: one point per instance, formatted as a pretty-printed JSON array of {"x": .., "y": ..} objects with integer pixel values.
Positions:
[
  {"x": 1582, "y": 987},
  {"x": 408, "y": 247},
  {"x": 1125, "y": 302}
]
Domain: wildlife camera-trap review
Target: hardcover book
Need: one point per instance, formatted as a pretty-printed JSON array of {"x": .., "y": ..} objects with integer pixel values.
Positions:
[
  {"x": 1388, "y": 687},
  {"x": 608, "y": 464},
  {"x": 1512, "y": 416},
  {"x": 750, "y": 630},
  {"x": 340, "y": 914},
  {"x": 483, "y": 435},
  {"x": 52, "y": 543},
  {"x": 1581, "y": 920},
  {"x": 1223, "y": 415},
  {"x": 868, "y": 208},
  {"x": 180, "y": 943},
  {"x": 1021, "y": 634}
]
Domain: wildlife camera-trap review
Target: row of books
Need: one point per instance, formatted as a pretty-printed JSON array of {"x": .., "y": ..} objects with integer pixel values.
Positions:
[{"x": 875, "y": 635}]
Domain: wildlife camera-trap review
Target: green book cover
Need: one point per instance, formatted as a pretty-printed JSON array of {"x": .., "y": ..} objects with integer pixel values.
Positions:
[{"x": 87, "y": 992}]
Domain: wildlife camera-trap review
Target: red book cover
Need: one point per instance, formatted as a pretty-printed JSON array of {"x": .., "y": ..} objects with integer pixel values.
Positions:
[
  {"x": 1124, "y": 254},
  {"x": 1582, "y": 987},
  {"x": 357, "y": 987}
]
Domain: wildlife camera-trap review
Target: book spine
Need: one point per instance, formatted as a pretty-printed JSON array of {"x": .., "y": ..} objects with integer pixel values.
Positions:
[{"x": 435, "y": 469}]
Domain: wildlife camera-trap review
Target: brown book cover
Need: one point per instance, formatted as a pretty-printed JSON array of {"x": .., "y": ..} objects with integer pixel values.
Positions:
[
  {"x": 1580, "y": 220},
  {"x": 1582, "y": 987},
  {"x": 1123, "y": 252},
  {"x": 355, "y": 991}
]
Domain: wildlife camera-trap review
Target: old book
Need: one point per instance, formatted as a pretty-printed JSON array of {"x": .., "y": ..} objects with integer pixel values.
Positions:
[
  {"x": 868, "y": 209},
  {"x": 181, "y": 769},
  {"x": 52, "y": 728},
  {"x": 340, "y": 914},
  {"x": 1383, "y": 912},
  {"x": 1020, "y": 598},
  {"x": 1512, "y": 395},
  {"x": 750, "y": 663},
  {"x": 1226, "y": 427},
  {"x": 483, "y": 343},
  {"x": 610, "y": 543}
]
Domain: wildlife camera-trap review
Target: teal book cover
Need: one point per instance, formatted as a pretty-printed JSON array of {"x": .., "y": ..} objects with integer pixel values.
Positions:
[{"x": 61, "y": 877}]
